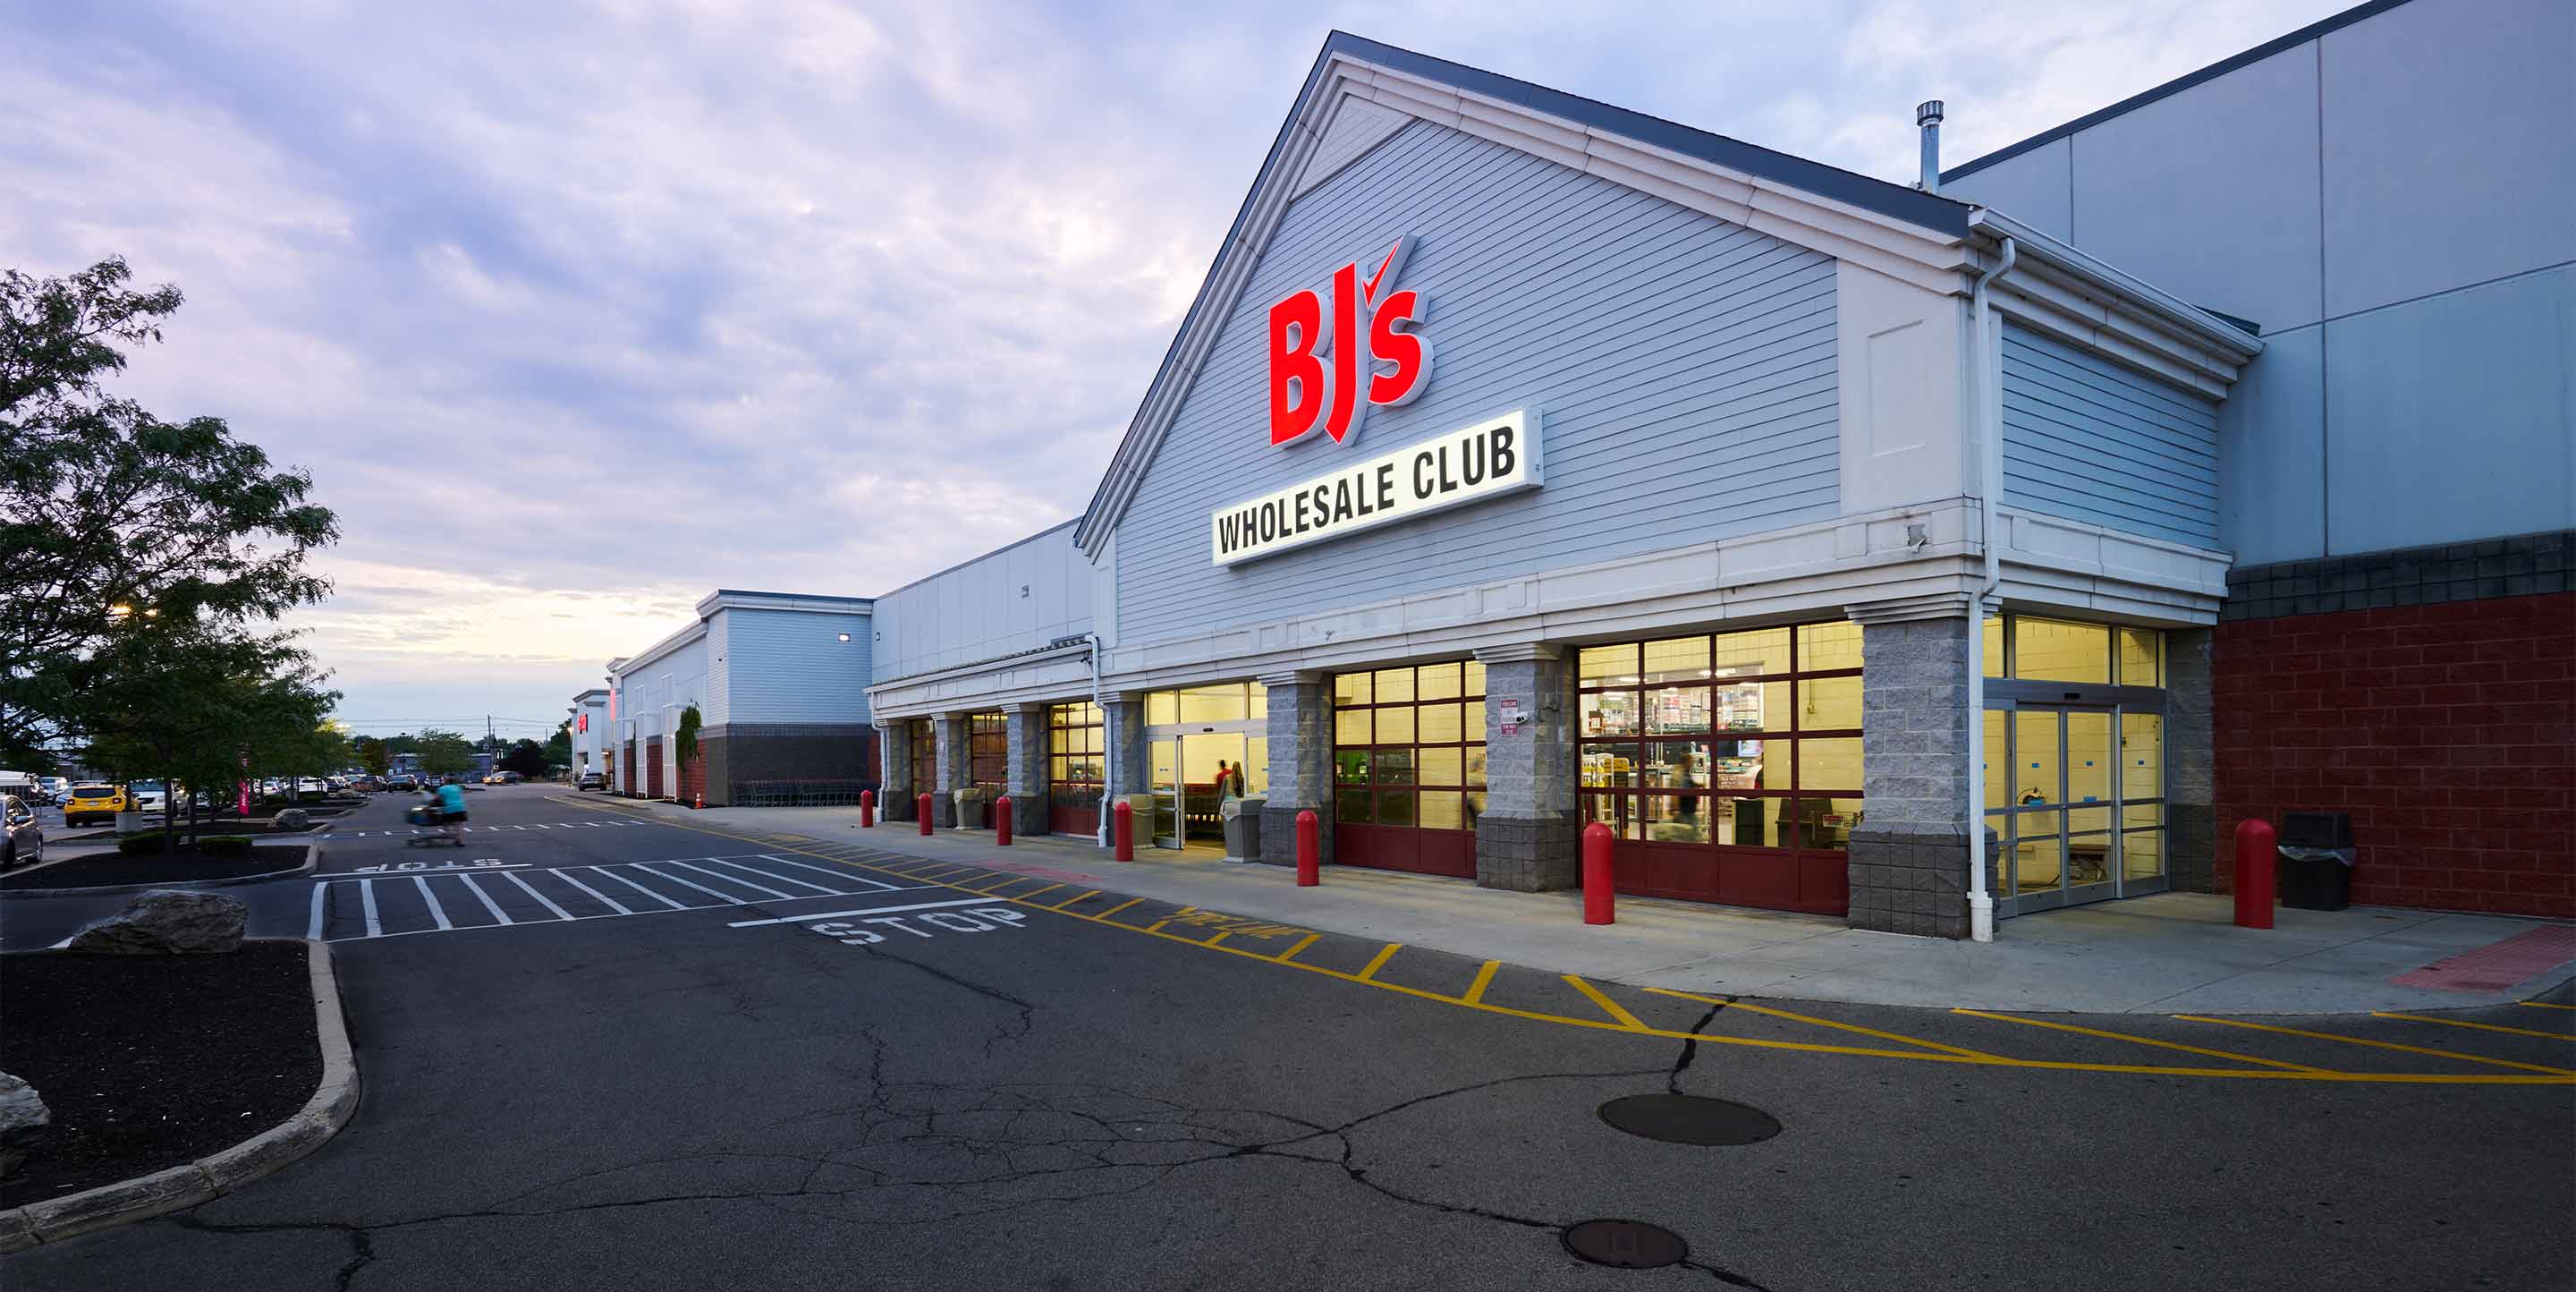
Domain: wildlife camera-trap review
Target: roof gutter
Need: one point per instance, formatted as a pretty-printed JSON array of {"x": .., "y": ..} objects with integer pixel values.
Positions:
[{"x": 2172, "y": 311}]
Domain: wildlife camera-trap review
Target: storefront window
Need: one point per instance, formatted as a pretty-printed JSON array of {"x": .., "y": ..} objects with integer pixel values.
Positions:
[
  {"x": 924, "y": 740},
  {"x": 988, "y": 750},
  {"x": 1735, "y": 740},
  {"x": 2050, "y": 650},
  {"x": 1409, "y": 746}
]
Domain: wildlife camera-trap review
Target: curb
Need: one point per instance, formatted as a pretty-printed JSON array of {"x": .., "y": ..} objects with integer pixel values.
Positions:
[
  {"x": 312, "y": 858},
  {"x": 180, "y": 1187}
]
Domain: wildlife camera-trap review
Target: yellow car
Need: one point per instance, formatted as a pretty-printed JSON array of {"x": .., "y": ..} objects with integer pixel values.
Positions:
[{"x": 100, "y": 801}]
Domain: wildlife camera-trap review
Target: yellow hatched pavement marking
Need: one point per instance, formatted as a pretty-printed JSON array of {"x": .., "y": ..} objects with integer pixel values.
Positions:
[
  {"x": 1384, "y": 954},
  {"x": 1800, "y": 1047},
  {"x": 1034, "y": 892},
  {"x": 1103, "y": 917},
  {"x": 1073, "y": 899},
  {"x": 1608, "y": 1006},
  {"x": 1827, "y": 1022},
  {"x": 2483, "y": 1027},
  {"x": 2544, "y": 1004},
  {"x": 1303, "y": 943},
  {"x": 2376, "y": 1045},
  {"x": 1220, "y": 937},
  {"x": 1484, "y": 978},
  {"x": 2142, "y": 1040}
]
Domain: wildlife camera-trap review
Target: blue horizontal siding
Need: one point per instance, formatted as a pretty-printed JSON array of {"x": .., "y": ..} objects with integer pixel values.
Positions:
[
  {"x": 1683, "y": 369},
  {"x": 2090, "y": 441},
  {"x": 791, "y": 666}
]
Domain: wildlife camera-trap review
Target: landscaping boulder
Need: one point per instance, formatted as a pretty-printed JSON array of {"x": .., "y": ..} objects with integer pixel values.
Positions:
[
  {"x": 167, "y": 921},
  {"x": 291, "y": 819},
  {"x": 23, "y": 1117}
]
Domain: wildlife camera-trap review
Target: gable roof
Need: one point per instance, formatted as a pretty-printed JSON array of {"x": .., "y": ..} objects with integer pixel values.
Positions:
[{"x": 1751, "y": 185}]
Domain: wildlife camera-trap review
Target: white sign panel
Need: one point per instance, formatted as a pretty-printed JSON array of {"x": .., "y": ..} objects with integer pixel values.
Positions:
[{"x": 1496, "y": 456}]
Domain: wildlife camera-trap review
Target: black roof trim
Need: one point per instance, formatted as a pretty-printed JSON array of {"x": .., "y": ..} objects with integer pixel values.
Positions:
[
  {"x": 1896, "y": 201},
  {"x": 2175, "y": 86}
]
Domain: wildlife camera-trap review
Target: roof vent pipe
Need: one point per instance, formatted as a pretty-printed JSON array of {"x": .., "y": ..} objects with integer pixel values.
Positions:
[{"x": 1927, "y": 114}]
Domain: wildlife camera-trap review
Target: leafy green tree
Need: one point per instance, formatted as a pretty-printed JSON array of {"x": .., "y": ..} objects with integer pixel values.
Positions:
[
  {"x": 372, "y": 754},
  {"x": 559, "y": 747},
  {"x": 526, "y": 757},
  {"x": 110, "y": 515},
  {"x": 195, "y": 705},
  {"x": 444, "y": 753}
]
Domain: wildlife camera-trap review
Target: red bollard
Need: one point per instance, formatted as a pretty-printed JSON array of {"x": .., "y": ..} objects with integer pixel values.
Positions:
[
  {"x": 1310, "y": 864},
  {"x": 867, "y": 808},
  {"x": 922, "y": 809},
  {"x": 2256, "y": 858},
  {"x": 1598, "y": 905},
  {"x": 1002, "y": 822},
  {"x": 1122, "y": 830}
]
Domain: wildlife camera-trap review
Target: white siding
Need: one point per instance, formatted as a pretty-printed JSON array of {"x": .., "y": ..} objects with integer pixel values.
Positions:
[{"x": 1016, "y": 599}]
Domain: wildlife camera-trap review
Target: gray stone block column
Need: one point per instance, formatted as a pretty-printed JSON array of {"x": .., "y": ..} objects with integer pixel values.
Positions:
[
  {"x": 1026, "y": 782},
  {"x": 1123, "y": 745},
  {"x": 2191, "y": 753},
  {"x": 1300, "y": 728},
  {"x": 953, "y": 764},
  {"x": 1909, "y": 858},
  {"x": 895, "y": 788},
  {"x": 1529, "y": 838}
]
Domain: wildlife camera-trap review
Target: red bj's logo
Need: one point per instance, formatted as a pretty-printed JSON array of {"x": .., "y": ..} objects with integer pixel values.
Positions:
[{"x": 1317, "y": 375}]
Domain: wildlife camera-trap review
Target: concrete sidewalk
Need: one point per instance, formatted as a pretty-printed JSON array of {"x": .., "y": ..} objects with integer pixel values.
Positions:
[{"x": 2171, "y": 953}]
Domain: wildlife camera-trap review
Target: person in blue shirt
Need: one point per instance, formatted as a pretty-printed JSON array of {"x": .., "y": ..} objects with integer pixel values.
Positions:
[{"x": 449, "y": 799}]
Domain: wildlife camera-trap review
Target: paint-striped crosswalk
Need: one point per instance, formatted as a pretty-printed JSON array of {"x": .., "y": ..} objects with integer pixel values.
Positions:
[
  {"x": 412, "y": 832},
  {"x": 457, "y": 898}
]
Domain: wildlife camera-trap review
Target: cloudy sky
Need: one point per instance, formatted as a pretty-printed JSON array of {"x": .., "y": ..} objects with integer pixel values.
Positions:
[{"x": 576, "y": 311}]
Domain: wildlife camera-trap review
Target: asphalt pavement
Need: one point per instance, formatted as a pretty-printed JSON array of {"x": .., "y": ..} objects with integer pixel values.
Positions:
[{"x": 600, "y": 1050}]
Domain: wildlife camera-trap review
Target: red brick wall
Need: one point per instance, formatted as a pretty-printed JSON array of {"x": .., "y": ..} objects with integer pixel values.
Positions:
[{"x": 2447, "y": 731}]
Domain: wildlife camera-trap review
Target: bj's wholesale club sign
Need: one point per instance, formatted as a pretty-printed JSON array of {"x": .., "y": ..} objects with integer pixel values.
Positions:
[{"x": 1327, "y": 369}]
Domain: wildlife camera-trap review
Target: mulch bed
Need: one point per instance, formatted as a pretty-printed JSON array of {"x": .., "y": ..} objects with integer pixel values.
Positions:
[
  {"x": 155, "y": 868},
  {"x": 151, "y": 1061}
]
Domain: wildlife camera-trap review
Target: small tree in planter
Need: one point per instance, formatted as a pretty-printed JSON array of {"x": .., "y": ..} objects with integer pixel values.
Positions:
[{"x": 684, "y": 741}]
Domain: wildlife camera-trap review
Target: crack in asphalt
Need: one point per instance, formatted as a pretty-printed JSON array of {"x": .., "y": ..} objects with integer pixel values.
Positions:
[{"x": 1690, "y": 1048}]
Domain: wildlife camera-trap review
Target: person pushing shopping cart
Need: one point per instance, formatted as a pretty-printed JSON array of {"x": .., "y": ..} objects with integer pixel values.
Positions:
[{"x": 443, "y": 806}]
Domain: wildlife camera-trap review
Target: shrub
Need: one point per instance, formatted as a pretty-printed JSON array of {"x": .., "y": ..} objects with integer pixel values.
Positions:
[
  {"x": 224, "y": 845},
  {"x": 143, "y": 845}
]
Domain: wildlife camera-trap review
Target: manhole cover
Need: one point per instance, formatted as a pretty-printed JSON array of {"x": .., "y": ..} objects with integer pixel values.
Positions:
[
  {"x": 1690, "y": 1119},
  {"x": 1628, "y": 1244}
]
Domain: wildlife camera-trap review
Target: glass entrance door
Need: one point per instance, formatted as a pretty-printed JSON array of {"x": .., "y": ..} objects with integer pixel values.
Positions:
[
  {"x": 1165, "y": 757},
  {"x": 2075, "y": 793}
]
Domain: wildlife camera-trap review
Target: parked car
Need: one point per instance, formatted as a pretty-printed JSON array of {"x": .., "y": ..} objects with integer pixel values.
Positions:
[
  {"x": 22, "y": 840},
  {"x": 54, "y": 788},
  {"x": 96, "y": 803},
  {"x": 312, "y": 785},
  {"x": 591, "y": 781},
  {"x": 365, "y": 784},
  {"x": 148, "y": 796},
  {"x": 403, "y": 782}
]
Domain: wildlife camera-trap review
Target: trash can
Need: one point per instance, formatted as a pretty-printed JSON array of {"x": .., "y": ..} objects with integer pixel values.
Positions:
[
  {"x": 971, "y": 805},
  {"x": 1242, "y": 828},
  {"x": 2316, "y": 860}
]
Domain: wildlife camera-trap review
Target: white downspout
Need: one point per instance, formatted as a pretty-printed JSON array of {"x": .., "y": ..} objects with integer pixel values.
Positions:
[
  {"x": 1108, "y": 749},
  {"x": 1989, "y": 415}
]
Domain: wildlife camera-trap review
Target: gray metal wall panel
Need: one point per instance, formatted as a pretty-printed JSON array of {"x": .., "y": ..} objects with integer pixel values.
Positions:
[
  {"x": 976, "y": 611},
  {"x": 2272, "y": 453},
  {"x": 2036, "y": 188},
  {"x": 791, "y": 666},
  {"x": 712, "y": 709},
  {"x": 1683, "y": 368},
  {"x": 2244, "y": 146},
  {"x": 2450, "y": 147},
  {"x": 2088, "y": 440},
  {"x": 2452, "y": 417}
]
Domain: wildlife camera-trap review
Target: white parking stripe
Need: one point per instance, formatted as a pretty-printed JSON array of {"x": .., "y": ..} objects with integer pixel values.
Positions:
[
  {"x": 677, "y": 906},
  {"x": 486, "y": 899},
  {"x": 314, "y": 934},
  {"x": 784, "y": 879},
  {"x": 560, "y": 913},
  {"x": 873, "y": 910},
  {"x": 841, "y": 875},
  {"x": 726, "y": 898},
  {"x": 367, "y": 894},
  {"x": 602, "y": 898},
  {"x": 436, "y": 911}
]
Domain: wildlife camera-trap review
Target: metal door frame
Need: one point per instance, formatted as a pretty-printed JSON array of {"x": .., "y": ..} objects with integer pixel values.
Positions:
[
  {"x": 2061, "y": 698},
  {"x": 1179, "y": 733}
]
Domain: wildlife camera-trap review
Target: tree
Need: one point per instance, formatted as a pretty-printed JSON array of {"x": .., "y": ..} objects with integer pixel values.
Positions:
[
  {"x": 443, "y": 753},
  {"x": 111, "y": 515},
  {"x": 526, "y": 757},
  {"x": 372, "y": 754},
  {"x": 685, "y": 740},
  {"x": 559, "y": 747},
  {"x": 195, "y": 704}
]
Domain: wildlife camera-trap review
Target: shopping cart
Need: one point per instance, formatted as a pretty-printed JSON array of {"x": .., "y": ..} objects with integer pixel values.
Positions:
[{"x": 426, "y": 817}]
